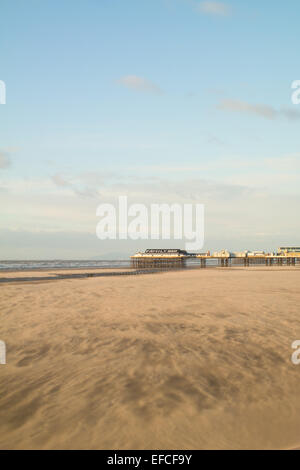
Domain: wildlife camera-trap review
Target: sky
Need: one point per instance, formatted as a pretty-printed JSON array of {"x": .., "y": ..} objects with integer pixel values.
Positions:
[{"x": 164, "y": 101}]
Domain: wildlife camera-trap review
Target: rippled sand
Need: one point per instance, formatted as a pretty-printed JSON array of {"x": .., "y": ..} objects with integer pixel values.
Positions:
[{"x": 193, "y": 359}]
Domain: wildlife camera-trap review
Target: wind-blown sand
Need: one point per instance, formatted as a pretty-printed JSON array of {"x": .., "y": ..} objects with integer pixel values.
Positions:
[{"x": 190, "y": 359}]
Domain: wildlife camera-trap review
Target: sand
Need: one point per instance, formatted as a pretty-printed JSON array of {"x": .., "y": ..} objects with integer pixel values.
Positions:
[
  {"x": 195, "y": 359},
  {"x": 58, "y": 272}
]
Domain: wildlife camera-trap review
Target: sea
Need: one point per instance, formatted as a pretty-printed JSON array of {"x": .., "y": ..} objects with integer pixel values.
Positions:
[{"x": 34, "y": 265}]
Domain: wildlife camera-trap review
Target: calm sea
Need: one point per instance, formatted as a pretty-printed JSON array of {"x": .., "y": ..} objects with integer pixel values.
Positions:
[
  {"x": 21, "y": 265},
  {"x": 33, "y": 265}
]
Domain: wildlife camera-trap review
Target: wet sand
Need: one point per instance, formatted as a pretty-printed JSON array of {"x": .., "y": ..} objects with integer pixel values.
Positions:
[
  {"x": 194, "y": 359},
  {"x": 58, "y": 272}
]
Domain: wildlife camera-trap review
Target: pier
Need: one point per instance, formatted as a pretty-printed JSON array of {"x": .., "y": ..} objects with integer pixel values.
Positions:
[
  {"x": 170, "y": 258},
  {"x": 249, "y": 261}
]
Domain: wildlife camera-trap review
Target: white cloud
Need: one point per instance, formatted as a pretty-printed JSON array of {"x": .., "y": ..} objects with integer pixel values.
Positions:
[
  {"x": 136, "y": 83},
  {"x": 41, "y": 223},
  {"x": 241, "y": 204},
  {"x": 214, "y": 8}
]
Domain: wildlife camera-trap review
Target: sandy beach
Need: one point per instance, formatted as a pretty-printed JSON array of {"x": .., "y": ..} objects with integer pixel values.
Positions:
[{"x": 196, "y": 359}]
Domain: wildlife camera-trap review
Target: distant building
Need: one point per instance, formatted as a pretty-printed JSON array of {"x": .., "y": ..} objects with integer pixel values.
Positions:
[
  {"x": 241, "y": 254},
  {"x": 162, "y": 253},
  {"x": 251, "y": 254},
  {"x": 222, "y": 254},
  {"x": 289, "y": 251}
]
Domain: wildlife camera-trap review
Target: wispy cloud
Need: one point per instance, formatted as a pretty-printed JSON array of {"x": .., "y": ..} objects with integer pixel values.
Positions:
[
  {"x": 59, "y": 181},
  {"x": 243, "y": 107},
  {"x": 136, "y": 83},
  {"x": 5, "y": 160},
  {"x": 75, "y": 186},
  {"x": 262, "y": 110},
  {"x": 290, "y": 114},
  {"x": 214, "y": 8}
]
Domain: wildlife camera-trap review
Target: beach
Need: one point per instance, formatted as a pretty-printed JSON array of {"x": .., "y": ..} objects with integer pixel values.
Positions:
[{"x": 195, "y": 359}]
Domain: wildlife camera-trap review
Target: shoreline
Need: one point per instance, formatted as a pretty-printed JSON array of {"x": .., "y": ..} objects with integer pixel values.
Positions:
[{"x": 57, "y": 274}]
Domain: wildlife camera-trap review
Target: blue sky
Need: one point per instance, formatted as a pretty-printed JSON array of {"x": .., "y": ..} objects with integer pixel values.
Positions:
[{"x": 163, "y": 100}]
